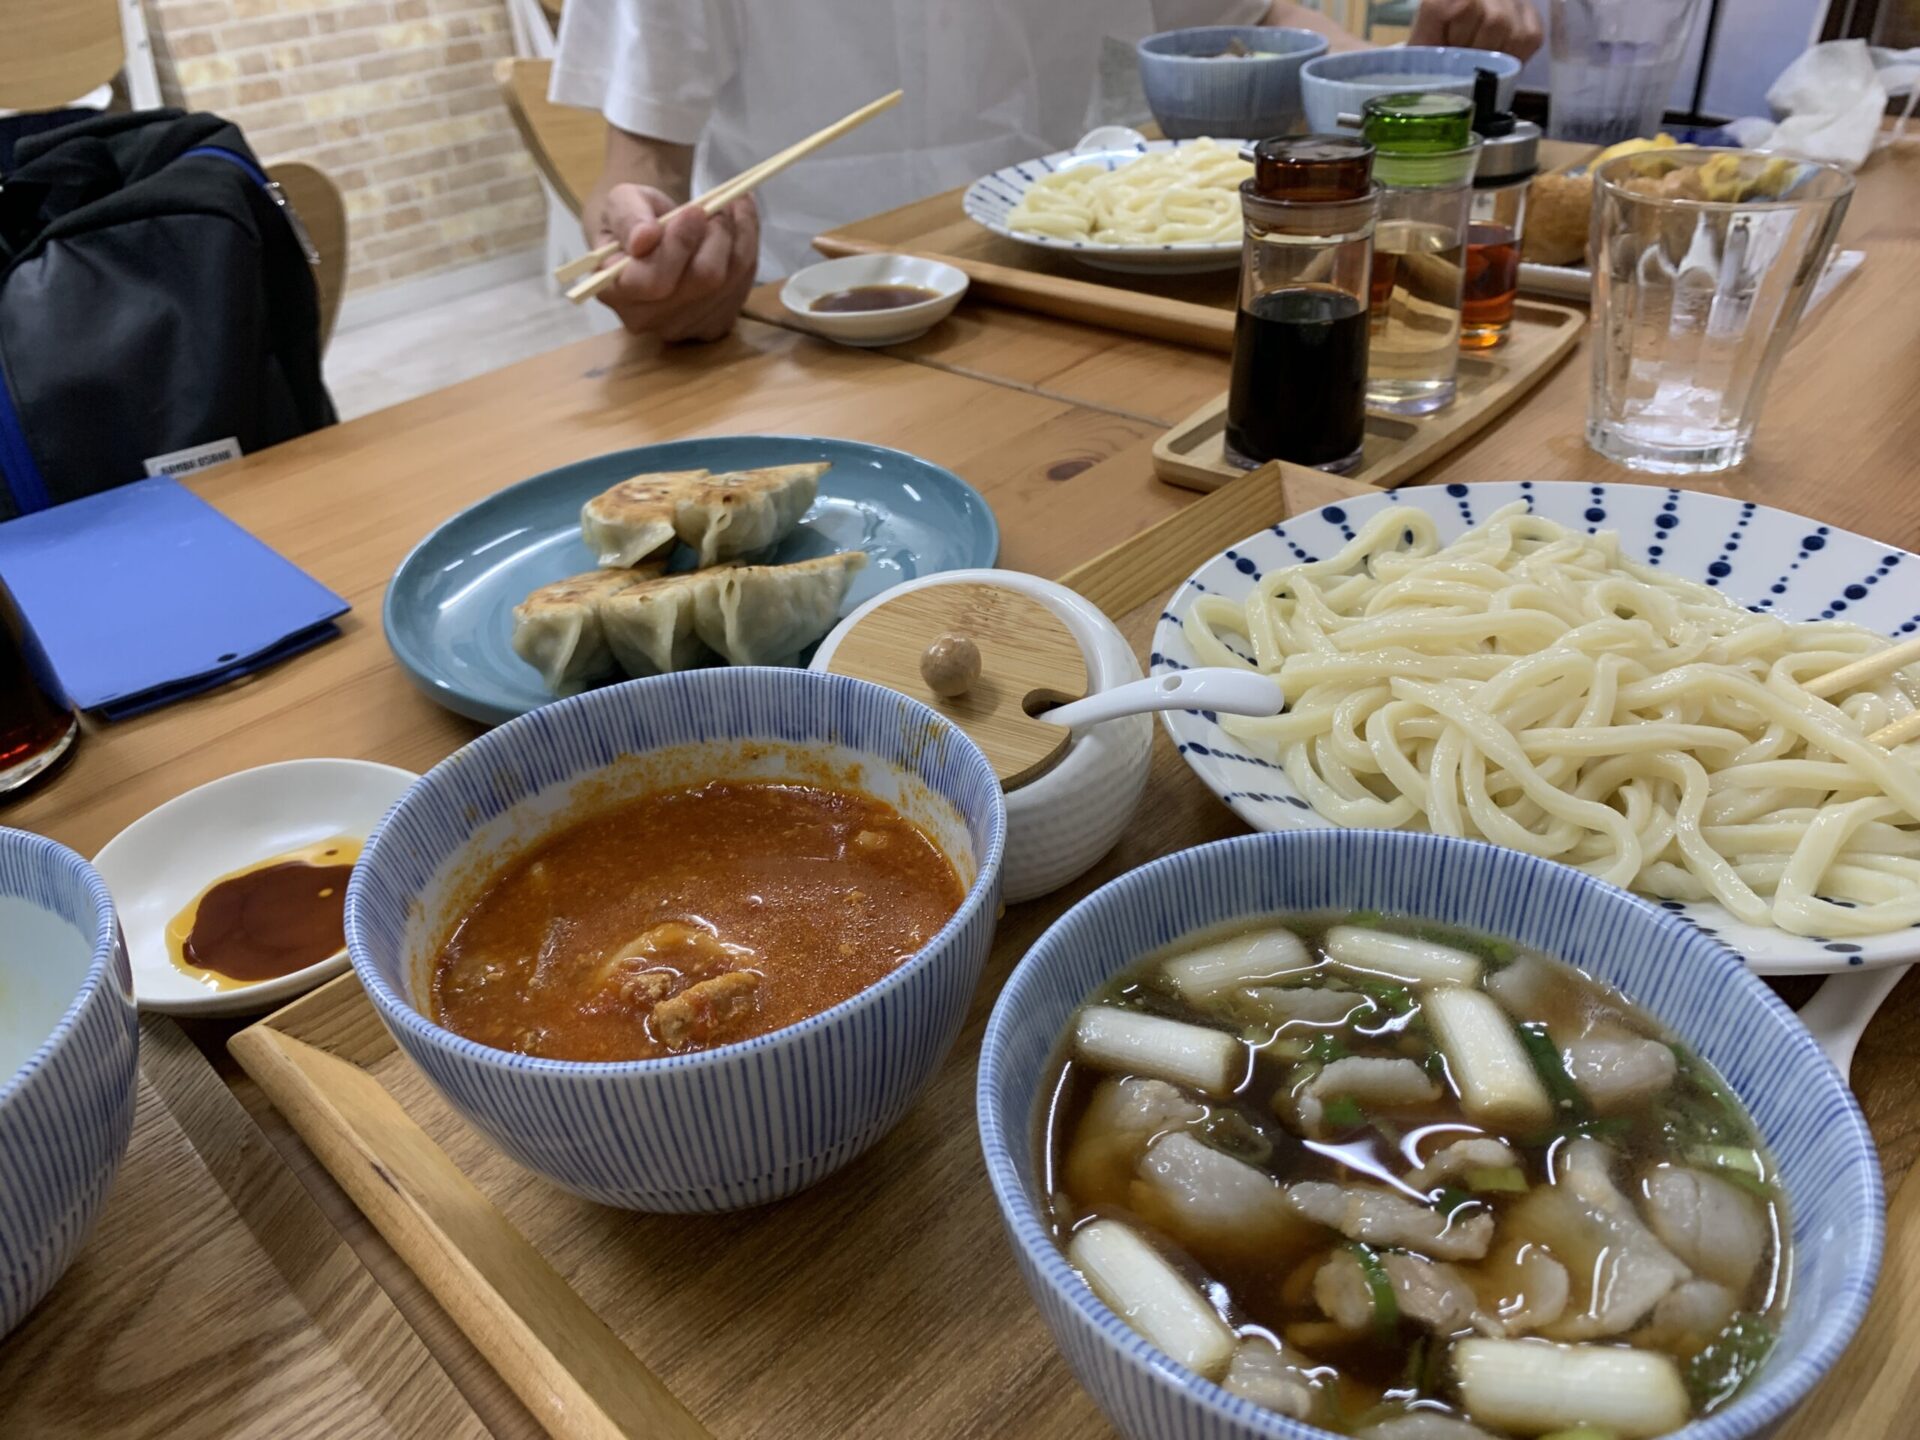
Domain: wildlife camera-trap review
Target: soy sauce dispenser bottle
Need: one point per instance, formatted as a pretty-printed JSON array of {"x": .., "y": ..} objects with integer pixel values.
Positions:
[{"x": 1299, "y": 382}]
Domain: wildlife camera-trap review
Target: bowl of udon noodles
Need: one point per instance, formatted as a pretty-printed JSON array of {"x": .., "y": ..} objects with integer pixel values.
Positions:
[
  {"x": 1625, "y": 678},
  {"x": 689, "y": 943},
  {"x": 1406, "y": 1137}
]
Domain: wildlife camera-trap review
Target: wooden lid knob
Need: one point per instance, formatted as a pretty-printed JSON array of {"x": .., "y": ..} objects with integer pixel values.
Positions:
[
  {"x": 982, "y": 655},
  {"x": 951, "y": 666}
]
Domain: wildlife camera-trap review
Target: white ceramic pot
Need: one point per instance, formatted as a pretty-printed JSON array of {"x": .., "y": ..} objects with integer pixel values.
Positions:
[{"x": 1061, "y": 823}]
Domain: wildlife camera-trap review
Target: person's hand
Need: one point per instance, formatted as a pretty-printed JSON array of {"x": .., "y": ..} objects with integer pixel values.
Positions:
[
  {"x": 1509, "y": 25},
  {"x": 688, "y": 276}
]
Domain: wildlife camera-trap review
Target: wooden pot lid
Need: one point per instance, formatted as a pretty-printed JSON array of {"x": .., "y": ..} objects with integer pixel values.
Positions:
[{"x": 1027, "y": 659}]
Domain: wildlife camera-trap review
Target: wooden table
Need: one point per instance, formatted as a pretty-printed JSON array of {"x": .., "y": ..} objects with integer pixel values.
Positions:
[{"x": 1052, "y": 420}]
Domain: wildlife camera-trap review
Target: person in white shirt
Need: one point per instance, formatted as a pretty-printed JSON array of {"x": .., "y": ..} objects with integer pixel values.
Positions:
[{"x": 695, "y": 91}]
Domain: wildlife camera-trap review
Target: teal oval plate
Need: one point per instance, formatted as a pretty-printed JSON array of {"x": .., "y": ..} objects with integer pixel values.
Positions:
[{"x": 449, "y": 608}]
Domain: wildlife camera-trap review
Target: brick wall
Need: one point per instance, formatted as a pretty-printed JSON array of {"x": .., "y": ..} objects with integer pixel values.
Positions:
[{"x": 394, "y": 99}]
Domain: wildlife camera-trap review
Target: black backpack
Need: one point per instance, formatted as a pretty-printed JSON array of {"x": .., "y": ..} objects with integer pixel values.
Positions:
[{"x": 157, "y": 307}]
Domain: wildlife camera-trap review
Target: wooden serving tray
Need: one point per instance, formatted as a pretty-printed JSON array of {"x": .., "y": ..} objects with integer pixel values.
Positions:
[
  {"x": 1193, "y": 453},
  {"x": 213, "y": 1299},
  {"x": 883, "y": 1302},
  {"x": 1185, "y": 309}
]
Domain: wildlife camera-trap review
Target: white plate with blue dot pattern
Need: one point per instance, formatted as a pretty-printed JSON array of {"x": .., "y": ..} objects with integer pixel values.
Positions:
[
  {"x": 991, "y": 198},
  {"x": 1768, "y": 560}
]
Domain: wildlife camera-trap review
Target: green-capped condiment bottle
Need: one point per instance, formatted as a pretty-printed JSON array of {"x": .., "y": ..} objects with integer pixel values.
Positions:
[{"x": 1425, "y": 152}]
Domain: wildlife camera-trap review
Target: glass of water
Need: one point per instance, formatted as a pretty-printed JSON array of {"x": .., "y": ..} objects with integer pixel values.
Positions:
[
  {"x": 1702, "y": 264},
  {"x": 1614, "y": 63}
]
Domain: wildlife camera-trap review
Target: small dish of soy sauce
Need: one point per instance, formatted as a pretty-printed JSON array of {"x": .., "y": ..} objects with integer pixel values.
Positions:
[
  {"x": 873, "y": 299},
  {"x": 231, "y": 895}
]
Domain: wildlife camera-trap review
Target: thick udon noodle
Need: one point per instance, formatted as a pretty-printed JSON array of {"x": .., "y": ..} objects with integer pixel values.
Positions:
[
  {"x": 1527, "y": 685},
  {"x": 1185, "y": 195}
]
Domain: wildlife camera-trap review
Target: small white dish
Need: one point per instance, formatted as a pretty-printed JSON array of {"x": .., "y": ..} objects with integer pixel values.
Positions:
[
  {"x": 873, "y": 327},
  {"x": 157, "y": 865}
]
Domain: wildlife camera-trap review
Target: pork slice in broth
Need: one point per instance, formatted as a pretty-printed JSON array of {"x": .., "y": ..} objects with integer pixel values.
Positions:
[
  {"x": 1521, "y": 1288},
  {"x": 1479, "y": 1152},
  {"x": 1429, "y": 1293},
  {"x": 1278, "y": 1379},
  {"x": 1304, "y": 1005},
  {"x": 1123, "y": 1114},
  {"x": 1536, "y": 991},
  {"x": 1688, "y": 1317},
  {"x": 1376, "y": 1084},
  {"x": 1214, "y": 1204},
  {"x": 1381, "y": 1217},
  {"x": 1718, "y": 1230},
  {"x": 1617, "y": 1072},
  {"x": 1619, "y": 1269}
]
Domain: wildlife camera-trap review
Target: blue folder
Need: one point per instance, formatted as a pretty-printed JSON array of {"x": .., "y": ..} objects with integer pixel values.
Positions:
[{"x": 146, "y": 594}]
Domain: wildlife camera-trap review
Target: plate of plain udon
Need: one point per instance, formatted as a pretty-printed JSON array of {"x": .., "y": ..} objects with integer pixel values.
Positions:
[
  {"x": 1157, "y": 206},
  {"x": 1607, "y": 675}
]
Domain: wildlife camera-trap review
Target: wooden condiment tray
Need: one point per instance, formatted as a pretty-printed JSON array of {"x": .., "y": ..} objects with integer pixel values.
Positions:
[
  {"x": 1193, "y": 453},
  {"x": 884, "y": 1302}
]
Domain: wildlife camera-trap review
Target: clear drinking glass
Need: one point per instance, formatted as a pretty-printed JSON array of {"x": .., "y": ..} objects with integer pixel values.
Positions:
[
  {"x": 1695, "y": 300},
  {"x": 1614, "y": 63}
]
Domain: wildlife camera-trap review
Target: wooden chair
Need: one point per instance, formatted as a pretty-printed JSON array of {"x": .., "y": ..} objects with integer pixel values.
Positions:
[
  {"x": 566, "y": 142},
  {"x": 54, "y": 51},
  {"x": 324, "y": 214}
]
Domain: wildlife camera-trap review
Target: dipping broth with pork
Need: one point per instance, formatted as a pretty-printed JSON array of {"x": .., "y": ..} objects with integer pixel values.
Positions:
[
  {"x": 1411, "y": 1184},
  {"x": 689, "y": 918}
]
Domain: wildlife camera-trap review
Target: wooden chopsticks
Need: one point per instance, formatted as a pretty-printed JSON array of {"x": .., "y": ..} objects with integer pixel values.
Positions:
[
  {"x": 716, "y": 199},
  {"x": 1873, "y": 667}
]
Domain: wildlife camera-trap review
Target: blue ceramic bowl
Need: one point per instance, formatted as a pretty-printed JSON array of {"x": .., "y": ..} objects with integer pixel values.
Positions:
[
  {"x": 1336, "y": 85},
  {"x": 69, "y": 1048},
  {"x": 739, "y": 1124},
  {"x": 1192, "y": 94},
  {"x": 1691, "y": 982}
]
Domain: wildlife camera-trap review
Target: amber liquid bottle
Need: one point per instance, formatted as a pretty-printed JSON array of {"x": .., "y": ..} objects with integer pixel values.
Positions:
[
  {"x": 1509, "y": 156},
  {"x": 37, "y": 727}
]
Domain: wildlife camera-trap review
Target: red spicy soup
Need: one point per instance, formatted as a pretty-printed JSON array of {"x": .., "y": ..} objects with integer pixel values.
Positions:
[{"x": 690, "y": 918}]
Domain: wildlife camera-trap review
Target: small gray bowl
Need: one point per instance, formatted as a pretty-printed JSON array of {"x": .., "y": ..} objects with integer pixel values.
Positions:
[{"x": 1194, "y": 92}]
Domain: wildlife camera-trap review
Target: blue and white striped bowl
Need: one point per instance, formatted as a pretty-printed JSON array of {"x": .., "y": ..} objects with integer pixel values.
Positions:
[
  {"x": 69, "y": 1050},
  {"x": 1689, "y": 981},
  {"x": 741, "y": 1124},
  {"x": 1342, "y": 82},
  {"x": 1194, "y": 88}
]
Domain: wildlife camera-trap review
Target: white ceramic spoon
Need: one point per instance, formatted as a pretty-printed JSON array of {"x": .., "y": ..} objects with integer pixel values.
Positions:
[
  {"x": 1217, "y": 688},
  {"x": 1839, "y": 1012}
]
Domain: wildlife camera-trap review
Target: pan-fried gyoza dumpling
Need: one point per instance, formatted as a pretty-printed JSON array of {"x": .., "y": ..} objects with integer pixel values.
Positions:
[
  {"x": 649, "y": 626},
  {"x": 557, "y": 629},
  {"x": 744, "y": 614},
  {"x": 768, "y": 614},
  {"x": 635, "y": 519},
  {"x": 725, "y": 516}
]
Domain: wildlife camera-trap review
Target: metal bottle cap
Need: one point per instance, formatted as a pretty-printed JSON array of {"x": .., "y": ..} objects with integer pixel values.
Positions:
[{"x": 1509, "y": 148}]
